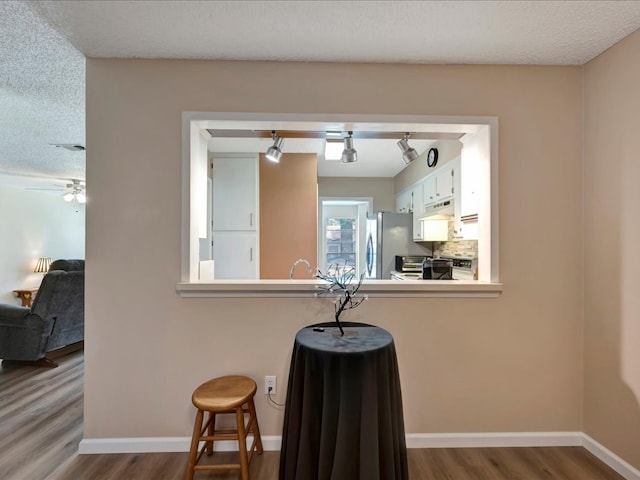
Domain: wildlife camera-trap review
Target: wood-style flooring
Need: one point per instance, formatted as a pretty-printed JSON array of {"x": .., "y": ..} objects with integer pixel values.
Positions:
[
  {"x": 41, "y": 426},
  {"x": 40, "y": 417}
]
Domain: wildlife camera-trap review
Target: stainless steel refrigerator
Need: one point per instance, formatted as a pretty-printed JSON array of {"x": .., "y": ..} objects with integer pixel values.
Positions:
[{"x": 389, "y": 234}]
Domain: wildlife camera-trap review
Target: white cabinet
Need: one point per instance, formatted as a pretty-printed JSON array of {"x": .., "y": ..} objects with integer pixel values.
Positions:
[
  {"x": 235, "y": 193},
  {"x": 429, "y": 190},
  {"x": 410, "y": 200},
  {"x": 469, "y": 175},
  {"x": 475, "y": 149},
  {"x": 235, "y": 256},
  {"x": 235, "y": 216},
  {"x": 403, "y": 201},
  {"x": 439, "y": 186},
  {"x": 417, "y": 209},
  {"x": 444, "y": 183}
]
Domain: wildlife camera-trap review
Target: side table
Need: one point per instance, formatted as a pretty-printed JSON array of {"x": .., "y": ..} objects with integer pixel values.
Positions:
[
  {"x": 26, "y": 295},
  {"x": 343, "y": 417}
]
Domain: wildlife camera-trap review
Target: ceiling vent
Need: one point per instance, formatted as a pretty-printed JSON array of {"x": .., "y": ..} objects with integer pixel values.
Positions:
[{"x": 70, "y": 146}]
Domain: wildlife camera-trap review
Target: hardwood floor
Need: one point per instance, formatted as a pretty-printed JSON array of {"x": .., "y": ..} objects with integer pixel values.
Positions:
[
  {"x": 40, "y": 417},
  {"x": 41, "y": 426},
  {"x": 548, "y": 463}
]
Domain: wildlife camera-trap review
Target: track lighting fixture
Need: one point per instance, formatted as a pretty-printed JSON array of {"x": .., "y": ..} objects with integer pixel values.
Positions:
[
  {"x": 409, "y": 154},
  {"x": 274, "y": 152},
  {"x": 349, "y": 154}
]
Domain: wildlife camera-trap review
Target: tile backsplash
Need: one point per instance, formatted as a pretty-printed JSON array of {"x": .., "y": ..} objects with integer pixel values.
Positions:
[{"x": 456, "y": 248}]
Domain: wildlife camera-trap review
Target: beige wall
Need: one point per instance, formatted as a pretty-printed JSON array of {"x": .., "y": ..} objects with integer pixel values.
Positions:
[
  {"x": 380, "y": 189},
  {"x": 612, "y": 279},
  {"x": 288, "y": 214},
  {"x": 467, "y": 365}
]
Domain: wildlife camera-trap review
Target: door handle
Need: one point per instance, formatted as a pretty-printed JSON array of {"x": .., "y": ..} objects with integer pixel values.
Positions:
[{"x": 251, "y": 254}]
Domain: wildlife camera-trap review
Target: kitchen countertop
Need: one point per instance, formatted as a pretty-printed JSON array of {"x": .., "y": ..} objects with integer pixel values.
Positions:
[
  {"x": 457, "y": 275},
  {"x": 395, "y": 275}
]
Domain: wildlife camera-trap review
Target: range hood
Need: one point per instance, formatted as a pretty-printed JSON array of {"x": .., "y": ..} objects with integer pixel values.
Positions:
[{"x": 441, "y": 208}]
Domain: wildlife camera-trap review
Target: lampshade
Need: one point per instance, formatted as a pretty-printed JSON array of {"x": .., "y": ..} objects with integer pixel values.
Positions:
[
  {"x": 43, "y": 265},
  {"x": 274, "y": 152},
  {"x": 349, "y": 154},
  {"x": 409, "y": 154}
]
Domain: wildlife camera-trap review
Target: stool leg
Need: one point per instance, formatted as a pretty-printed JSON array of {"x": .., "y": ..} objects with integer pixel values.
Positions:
[
  {"x": 212, "y": 425},
  {"x": 195, "y": 441},
  {"x": 255, "y": 428},
  {"x": 242, "y": 443}
]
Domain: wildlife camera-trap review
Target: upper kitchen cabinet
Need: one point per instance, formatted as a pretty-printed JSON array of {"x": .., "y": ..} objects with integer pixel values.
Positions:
[
  {"x": 403, "y": 201},
  {"x": 235, "y": 193},
  {"x": 467, "y": 206},
  {"x": 440, "y": 185},
  {"x": 469, "y": 174},
  {"x": 417, "y": 209}
]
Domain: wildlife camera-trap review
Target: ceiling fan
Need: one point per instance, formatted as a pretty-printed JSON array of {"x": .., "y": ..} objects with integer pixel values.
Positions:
[{"x": 75, "y": 191}]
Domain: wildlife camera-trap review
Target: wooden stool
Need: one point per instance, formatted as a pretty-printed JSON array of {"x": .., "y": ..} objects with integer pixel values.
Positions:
[{"x": 227, "y": 394}]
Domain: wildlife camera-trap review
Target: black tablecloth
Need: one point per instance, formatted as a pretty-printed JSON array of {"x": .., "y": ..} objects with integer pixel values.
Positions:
[{"x": 343, "y": 418}]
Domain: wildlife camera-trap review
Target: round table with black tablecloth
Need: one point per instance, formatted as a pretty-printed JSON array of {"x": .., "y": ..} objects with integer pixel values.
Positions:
[{"x": 343, "y": 418}]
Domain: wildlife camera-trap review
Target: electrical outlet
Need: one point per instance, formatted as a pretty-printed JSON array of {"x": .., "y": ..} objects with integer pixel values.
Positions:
[{"x": 270, "y": 382}]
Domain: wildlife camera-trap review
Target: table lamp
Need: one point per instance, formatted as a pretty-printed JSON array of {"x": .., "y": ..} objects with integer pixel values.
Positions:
[{"x": 43, "y": 265}]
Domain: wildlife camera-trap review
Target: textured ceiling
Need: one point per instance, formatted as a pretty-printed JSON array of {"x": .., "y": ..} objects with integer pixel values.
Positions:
[
  {"x": 41, "y": 97},
  {"x": 43, "y": 44},
  {"x": 523, "y": 32}
]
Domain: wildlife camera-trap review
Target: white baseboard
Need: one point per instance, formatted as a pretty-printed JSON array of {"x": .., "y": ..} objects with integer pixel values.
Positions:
[
  {"x": 273, "y": 442},
  {"x": 90, "y": 446},
  {"x": 494, "y": 439},
  {"x": 628, "y": 471}
]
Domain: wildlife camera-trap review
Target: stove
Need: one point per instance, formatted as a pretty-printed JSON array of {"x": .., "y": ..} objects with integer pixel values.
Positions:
[{"x": 463, "y": 268}]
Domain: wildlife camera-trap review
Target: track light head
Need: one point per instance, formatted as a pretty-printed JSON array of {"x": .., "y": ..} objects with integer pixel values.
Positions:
[
  {"x": 274, "y": 152},
  {"x": 349, "y": 154},
  {"x": 409, "y": 154}
]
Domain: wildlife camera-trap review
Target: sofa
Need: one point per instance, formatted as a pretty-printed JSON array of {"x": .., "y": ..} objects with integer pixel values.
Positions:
[{"x": 54, "y": 320}]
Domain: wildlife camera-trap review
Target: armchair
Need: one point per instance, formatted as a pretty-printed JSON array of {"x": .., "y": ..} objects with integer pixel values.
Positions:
[{"x": 55, "y": 320}]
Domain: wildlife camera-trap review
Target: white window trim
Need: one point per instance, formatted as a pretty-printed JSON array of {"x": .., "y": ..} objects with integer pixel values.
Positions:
[{"x": 488, "y": 245}]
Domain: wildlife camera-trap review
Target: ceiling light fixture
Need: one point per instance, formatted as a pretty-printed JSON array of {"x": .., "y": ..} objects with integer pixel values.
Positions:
[
  {"x": 76, "y": 194},
  {"x": 409, "y": 154},
  {"x": 333, "y": 146},
  {"x": 274, "y": 152},
  {"x": 349, "y": 154},
  {"x": 78, "y": 197}
]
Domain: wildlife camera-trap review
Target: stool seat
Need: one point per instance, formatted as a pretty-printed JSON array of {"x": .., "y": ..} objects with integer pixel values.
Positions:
[
  {"x": 224, "y": 393},
  {"x": 232, "y": 394}
]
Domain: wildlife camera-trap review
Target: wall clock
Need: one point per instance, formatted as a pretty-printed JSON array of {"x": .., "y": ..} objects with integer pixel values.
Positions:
[{"x": 432, "y": 157}]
